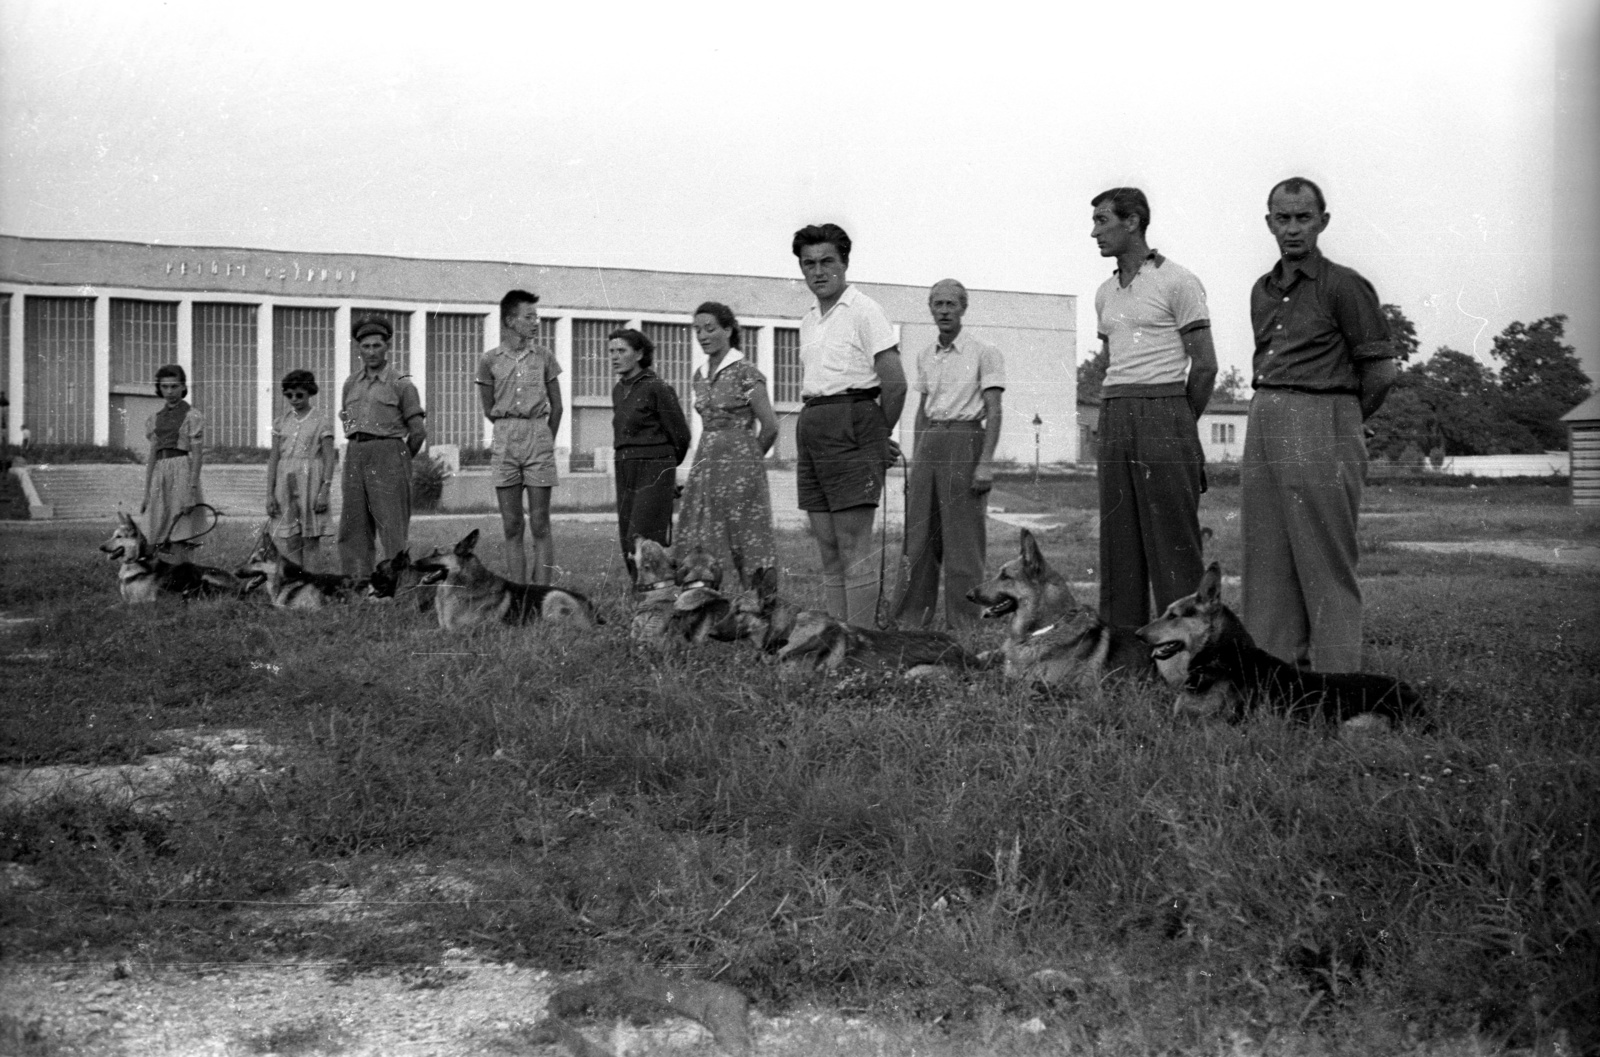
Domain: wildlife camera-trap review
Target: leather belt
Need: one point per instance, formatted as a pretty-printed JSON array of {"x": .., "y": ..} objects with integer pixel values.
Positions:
[
  {"x": 849, "y": 396},
  {"x": 362, "y": 438},
  {"x": 171, "y": 453}
]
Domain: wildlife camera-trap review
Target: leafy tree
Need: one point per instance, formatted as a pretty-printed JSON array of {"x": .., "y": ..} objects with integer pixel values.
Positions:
[
  {"x": 1231, "y": 387},
  {"x": 1092, "y": 375},
  {"x": 1541, "y": 378},
  {"x": 1402, "y": 332},
  {"x": 1449, "y": 403}
]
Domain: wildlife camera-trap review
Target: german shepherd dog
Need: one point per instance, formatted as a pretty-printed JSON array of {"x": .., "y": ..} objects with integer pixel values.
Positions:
[
  {"x": 677, "y": 603},
  {"x": 288, "y": 585},
  {"x": 470, "y": 595},
  {"x": 1052, "y": 640},
  {"x": 820, "y": 642},
  {"x": 759, "y": 614},
  {"x": 399, "y": 577},
  {"x": 1202, "y": 648},
  {"x": 143, "y": 577}
]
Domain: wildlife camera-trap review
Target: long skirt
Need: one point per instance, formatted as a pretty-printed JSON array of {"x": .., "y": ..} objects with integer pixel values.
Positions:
[
  {"x": 299, "y": 481},
  {"x": 170, "y": 495},
  {"x": 727, "y": 508}
]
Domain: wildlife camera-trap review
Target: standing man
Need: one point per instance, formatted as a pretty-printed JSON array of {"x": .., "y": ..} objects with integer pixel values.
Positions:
[
  {"x": 1323, "y": 364},
  {"x": 520, "y": 395},
  {"x": 1157, "y": 330},
  {"x": 383, "y": 422},
  {"x": 961, "y": 380},
  {"x": 853, "y": 388}
]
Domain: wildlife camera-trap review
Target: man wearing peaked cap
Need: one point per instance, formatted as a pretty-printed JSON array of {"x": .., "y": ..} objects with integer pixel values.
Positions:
[{"x": 383, "y": 422}]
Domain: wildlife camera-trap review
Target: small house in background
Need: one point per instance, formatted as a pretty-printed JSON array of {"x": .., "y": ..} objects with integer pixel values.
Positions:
[
  {"x": 1222, "y": 431},
  {"x": 1088, "y": 432},
  {"x": 1583, "y": 443}
]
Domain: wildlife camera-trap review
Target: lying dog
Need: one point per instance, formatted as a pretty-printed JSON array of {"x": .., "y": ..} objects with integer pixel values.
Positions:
[
  {"x": 287, "y": 584},
  {"x": 143, "y": 577},
  {"x": 676, "y": 603},
  {"x": 759, "y": 614},
  {"x": 399, "y": 577},
  {"x": 1052, "y": 640},
  {"x": 819, "y": 641},
  {"x": 470, "y": 595},
  {"x": 1202, "y": 648}
]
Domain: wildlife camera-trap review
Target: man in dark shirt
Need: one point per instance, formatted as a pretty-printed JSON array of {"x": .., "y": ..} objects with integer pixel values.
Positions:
[{"x": 1323, "y": 364}]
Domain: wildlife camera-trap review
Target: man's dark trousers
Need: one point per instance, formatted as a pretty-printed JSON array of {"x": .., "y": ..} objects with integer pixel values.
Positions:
[
  {"x": 1151, "y": 472},
  {"x": 946, "y": 524},
  {"x": 377, "y": 502}
]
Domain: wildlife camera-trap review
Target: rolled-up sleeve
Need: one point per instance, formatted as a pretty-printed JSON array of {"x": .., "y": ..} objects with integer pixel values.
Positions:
[
  {"x": 1360, "y": 319},
  {"x": 991, "y": 368}
]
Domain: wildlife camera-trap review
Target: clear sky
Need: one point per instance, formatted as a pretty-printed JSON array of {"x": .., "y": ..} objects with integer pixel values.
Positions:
[{"x": 950, "y": 140}]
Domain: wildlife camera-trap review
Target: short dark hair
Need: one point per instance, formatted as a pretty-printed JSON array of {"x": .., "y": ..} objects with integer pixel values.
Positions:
[
  {"x": 1294, "y": 185},
  {"x": 1127, "y": 202},
  {"x": 638, "y": 342},
  {"x": 814, "y": 234},
  {"x": 172, "y": 370},
  {"x": 515, "y": 299},
  {"x": 300, "y": 378},
  {"x": 724, "y": 317}
]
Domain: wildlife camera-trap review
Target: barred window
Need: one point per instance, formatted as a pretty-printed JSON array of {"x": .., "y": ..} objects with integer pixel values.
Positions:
[
  {"x": 455, "y": 343},
  {"x": 58, "y": 358},
  {"x": 786, "y": 365},
  {"x": 222, "y": 385},
  {"x": 144, "y": 335},
  {"x": 674, "y": 356},
  {"x": 591, "y": 364},
  {"x": 750, "y": 342},
  {"x": 399, "y": 345},
  {"x": 5, "y": 343},
  {"x": 304, "y": 339}
]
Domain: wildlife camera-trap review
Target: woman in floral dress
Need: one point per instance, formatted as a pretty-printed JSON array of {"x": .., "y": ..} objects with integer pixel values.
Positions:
[
  {"x": 726, "y": 505},
  {"x": 300, "y": 471}
]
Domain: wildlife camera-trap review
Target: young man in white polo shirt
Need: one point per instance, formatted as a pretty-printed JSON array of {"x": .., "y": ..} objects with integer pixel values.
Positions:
[
  {"x": 854, "y": 389},
  {"x": 1155, "y": 325},
  {"x": 961, "y": 380}
]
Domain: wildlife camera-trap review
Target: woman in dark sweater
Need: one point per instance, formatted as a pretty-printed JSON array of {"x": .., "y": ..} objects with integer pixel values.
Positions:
[{"x": 651, "y": 438}]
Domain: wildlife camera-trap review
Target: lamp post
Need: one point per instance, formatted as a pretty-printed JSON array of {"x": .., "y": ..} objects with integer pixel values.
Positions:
[{"x": 1037, "y": 422}]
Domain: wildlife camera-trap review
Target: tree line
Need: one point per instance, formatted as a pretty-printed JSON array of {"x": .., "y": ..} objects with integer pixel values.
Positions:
[{"x": 1451, "y": 403}]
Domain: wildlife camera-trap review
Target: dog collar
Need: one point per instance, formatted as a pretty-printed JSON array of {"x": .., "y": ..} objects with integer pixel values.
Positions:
[
  {"x": 655, "y": 586},
  {"x": 1047, "y": 629},
  {"x": 696, "y": 583}
]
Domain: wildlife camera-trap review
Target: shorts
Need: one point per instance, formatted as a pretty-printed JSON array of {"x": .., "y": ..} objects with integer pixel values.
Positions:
[
  {"x": 524, "y": 454},
  {"x": 842, "y": 454}
]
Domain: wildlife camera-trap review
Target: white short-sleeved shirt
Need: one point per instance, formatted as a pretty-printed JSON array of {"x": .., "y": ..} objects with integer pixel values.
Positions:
[
  {"x": 954, "y": 379},
  {"x": 836, "y": 349},
  {"x": 1145, "y": 321}
]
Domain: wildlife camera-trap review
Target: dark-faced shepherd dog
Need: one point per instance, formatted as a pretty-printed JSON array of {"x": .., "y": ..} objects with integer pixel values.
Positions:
[
  {"x": 288, "y": 584},
  {"x": 820, "y": 642},
  {"x": 1052, "y": 640},
  {"x": 470, "y": 595},
  {"x": 143, "y": 577},
  {"x": 759, "y": 614},
  {"x": 1202, "y": 648},
  {"x": 676, "y": 603},
  {"x": 399, "y": 578}
]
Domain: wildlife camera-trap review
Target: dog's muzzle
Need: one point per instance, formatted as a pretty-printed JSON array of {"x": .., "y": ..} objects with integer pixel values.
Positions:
[{"x": 1162, "y": 651}]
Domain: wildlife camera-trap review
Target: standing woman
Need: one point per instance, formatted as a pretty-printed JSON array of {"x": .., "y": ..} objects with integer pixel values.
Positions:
[
  {"x": 726, "y": 505},
  {"x": 650, "y": 437},
  {"x": 172, "y": 469},
  {"x": 300, "y": 471}
]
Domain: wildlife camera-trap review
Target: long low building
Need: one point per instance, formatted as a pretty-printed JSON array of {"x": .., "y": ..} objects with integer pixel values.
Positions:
[{"x": 93, "y": 320}]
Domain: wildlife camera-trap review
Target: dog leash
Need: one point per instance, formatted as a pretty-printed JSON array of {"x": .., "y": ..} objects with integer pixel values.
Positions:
[{"x": 885, "y": 618}]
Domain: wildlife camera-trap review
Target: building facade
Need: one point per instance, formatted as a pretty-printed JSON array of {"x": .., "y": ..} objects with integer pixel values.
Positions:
[
  {"x": 84, "y": 325},
  {"x": 1222, "y": 430}
]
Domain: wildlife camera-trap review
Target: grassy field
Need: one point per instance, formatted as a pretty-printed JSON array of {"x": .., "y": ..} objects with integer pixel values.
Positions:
[{"x": 918, "y": 850}]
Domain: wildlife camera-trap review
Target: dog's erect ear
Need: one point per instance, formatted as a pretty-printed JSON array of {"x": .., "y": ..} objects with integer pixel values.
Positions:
[
  {"x": 765, "y": 581},
  {"x": 1032, "y": 557},
  {"x": 468, "y": 544},
  {"x": 402, "y": 560},
  {"x": 127, "y": 520},
  {"x": 1209, "y": 593}
]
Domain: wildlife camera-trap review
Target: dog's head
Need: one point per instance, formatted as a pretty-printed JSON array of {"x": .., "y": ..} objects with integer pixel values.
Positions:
[
  {"x": 759, "y": 614},
  {"x": 1186, "y": 627},
  {"x": 127, "y": 544},
  {"x": 699, "y": 568},
  {"x": 395, "y": 576},
  {"x": 561, "y": 606},
  {"x": 1018, "y": 581},
  {"x": 813, "y": 641},
  {"x": 263, "y": 561},
  {"x": 441, "y": 564},
  {"x": 653, "y": 566}
]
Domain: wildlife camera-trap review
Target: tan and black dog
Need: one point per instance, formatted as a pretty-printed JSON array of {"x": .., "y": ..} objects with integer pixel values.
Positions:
[
  {"x": 143, "y": 577},
  {"x": 676, "y": 603},
  {"x": 1202, "y": 648},
  {"x": 470, "y": 595},
  {"x": 1052, "y": 640},
  {"x": 760, "y": 614},
  {"x": 287, "y": 584},
  {"x": 820, "y": 642},
  {"x": 399, "y": 578}
]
